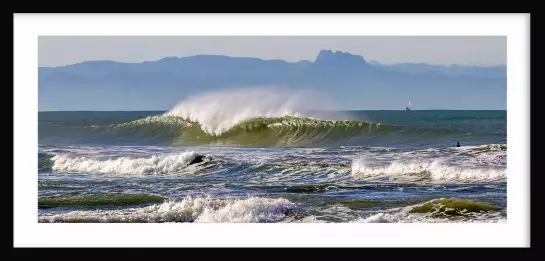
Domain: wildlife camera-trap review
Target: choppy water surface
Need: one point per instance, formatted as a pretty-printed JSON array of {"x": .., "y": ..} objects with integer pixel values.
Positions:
[{"x": 218, "y": 165}]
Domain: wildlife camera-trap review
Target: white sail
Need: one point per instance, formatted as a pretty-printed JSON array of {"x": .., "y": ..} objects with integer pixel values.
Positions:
[{"x": 408, "y": 108}]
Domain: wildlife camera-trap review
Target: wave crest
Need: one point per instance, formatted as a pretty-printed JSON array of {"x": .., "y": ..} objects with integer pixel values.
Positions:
[
  {"x": 260, "y": 131},
  {"x": 217, "y": 112},
  {"x": 162, "y": 164},
  {"x": 277, "y": 131},
  {"x": 422, "y": 171},
  {"x": 190, "y": 209}
]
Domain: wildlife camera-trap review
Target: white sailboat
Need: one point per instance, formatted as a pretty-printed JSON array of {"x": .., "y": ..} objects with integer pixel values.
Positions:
[{"x": 408, "y": 108}]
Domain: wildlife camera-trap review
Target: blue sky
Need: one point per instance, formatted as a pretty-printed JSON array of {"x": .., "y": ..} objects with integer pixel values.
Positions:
[
  {"x": 467, "y": 50},
  {"x": 437, "y": 50}
]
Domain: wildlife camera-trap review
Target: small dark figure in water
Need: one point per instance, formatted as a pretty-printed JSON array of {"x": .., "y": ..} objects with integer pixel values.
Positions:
[
  {"x": 197, "y": 159},
  {"x": 458, "y": 144}
]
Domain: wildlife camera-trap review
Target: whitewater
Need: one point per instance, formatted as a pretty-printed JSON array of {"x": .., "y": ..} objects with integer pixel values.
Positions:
[{"x": 271, "y": 155}]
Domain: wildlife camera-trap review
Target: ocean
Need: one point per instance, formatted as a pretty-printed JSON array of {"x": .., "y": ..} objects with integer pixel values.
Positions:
[{"x": 251, "y": 165}]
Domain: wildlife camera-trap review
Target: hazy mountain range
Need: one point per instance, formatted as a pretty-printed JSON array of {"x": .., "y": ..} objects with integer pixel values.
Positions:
[{"x": 346, "y": 79}]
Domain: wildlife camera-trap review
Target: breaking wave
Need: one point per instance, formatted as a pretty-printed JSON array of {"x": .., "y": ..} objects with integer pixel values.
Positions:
[
  {"x": 248, "y": 117},
  {"x": 156, "y": 164},
  {"x": 190, "y": 209},
  {"x": 425, "y": 171},
  {"x": 217, "y": 112},
  {"x": 454, "y": 165},
  {"x": 280, "y": 131}
]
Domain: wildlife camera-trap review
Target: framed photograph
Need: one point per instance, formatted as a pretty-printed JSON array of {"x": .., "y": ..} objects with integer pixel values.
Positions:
[{"x": 151, "y": 128}]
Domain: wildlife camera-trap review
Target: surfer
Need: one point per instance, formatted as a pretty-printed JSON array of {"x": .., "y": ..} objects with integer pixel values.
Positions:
[{"x": 458, "y": 144}]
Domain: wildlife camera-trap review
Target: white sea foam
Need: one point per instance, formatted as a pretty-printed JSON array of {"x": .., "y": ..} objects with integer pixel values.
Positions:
[
  {"x": 156, "y": 164},
  {"x": 218, "y": 111},
  {"x": 190, "y": 209},
  {"x": 435, "y": 170}
]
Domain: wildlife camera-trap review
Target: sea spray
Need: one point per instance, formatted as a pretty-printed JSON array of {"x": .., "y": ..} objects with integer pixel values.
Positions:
[{"x": 218, "y": 111}]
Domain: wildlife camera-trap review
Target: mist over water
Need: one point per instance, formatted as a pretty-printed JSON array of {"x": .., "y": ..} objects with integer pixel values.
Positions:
[{"x": 218, "y": 111}]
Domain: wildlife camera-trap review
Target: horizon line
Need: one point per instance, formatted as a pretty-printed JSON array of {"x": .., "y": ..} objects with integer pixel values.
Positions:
[{"x": 298, "y": 61}]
